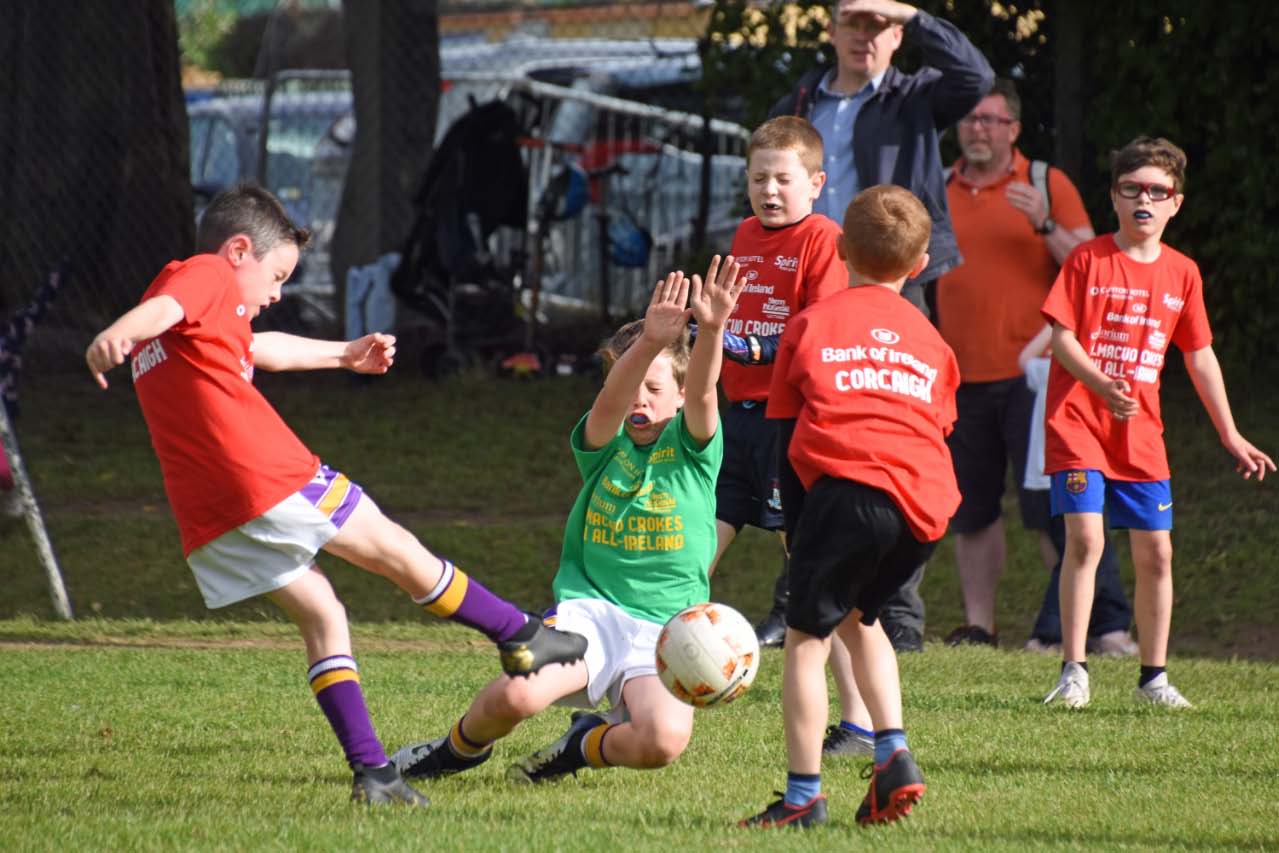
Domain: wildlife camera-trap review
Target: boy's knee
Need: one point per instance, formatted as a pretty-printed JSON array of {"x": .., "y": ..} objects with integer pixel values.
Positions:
[
  {"x": 321, "y": 611},
  {"x": 1085, "y": 547},
  {"x": 515, "y": 701},
  {"x": 1153, "y": 558},
  {"x": 663, "y": 742}
]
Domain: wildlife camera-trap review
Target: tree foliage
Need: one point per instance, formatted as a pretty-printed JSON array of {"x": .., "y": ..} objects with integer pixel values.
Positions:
[{"x": 1205, "y": 81}]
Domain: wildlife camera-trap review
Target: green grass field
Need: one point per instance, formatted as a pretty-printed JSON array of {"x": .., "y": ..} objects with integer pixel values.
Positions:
[
  {"x": 127, "y": 735},
  {"x": 150, "y": 723}
]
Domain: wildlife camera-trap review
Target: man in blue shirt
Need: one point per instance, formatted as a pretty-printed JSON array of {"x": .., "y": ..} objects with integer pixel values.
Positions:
[{"x": 882, "y": 126}]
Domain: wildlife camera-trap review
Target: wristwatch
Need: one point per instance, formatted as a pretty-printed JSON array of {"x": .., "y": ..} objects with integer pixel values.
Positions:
[{"x": 1049, "y": 226}]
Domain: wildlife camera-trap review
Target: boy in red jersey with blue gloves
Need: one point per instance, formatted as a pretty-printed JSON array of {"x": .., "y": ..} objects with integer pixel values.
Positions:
[{"x": 1117, "y": 304}]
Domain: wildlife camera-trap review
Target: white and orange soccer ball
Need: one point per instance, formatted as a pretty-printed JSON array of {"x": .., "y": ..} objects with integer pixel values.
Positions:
[{"x": 707, "y": 655}]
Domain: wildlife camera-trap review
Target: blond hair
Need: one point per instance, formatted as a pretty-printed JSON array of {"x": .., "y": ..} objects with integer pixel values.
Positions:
[
  {"x": 614, "y": 347},
  {"x": 886, "y": 231},
  {"x": 789, "y": 133}
]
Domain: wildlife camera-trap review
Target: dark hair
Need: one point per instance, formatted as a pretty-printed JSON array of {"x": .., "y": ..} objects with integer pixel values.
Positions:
[
  {"x": 886, "y": 230},
  {"x": 1005, "y": 88},
  {"x": 789, "y": 132},
  {"x": 250, "y": 210},
  {"x": 1150, "y": 151},
  {"x": 613, "y": 348}
]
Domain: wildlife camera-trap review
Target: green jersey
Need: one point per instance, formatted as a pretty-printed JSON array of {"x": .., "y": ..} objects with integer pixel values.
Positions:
[{"x": 642, "y": 530}]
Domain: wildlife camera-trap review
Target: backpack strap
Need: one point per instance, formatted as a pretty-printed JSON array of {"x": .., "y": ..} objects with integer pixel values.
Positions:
[{"x": 1039, "y": 180}]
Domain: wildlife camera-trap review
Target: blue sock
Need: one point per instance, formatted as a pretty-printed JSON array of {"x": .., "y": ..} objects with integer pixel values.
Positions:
[
  {"x": 887, "y": 742},
  {"x": 802, "y": 787},
  {"x": 856, "y": 729},
  {"x": 1149, "y": 674}
]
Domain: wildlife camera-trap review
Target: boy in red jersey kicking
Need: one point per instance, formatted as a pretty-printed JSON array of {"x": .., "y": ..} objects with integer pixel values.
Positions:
[
  {"x": 252, "y": 503},
  {"x": 864, "y": 390},
  {"x": 1117, "y": 304}
]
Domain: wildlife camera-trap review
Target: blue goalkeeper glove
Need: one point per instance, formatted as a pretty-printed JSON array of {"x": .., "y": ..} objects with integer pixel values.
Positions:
[{"x": 748, "y": 350}]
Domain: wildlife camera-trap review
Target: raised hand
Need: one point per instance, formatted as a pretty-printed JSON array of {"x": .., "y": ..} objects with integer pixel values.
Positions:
[
  {"x": 712, "y": 301},
  {"x": 1029, "y": 201},
  {"x": 890, "y": 10},
  {"x": 666, "y": 317}
]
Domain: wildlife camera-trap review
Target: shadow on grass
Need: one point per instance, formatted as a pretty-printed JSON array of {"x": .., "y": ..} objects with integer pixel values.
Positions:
[
  {"x": 1138, "y": 840},
  {"x": 1112, "y": 769}
]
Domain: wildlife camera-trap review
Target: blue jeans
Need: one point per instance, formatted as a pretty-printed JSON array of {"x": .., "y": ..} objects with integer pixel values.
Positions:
[{"x": 1110, "y": 608}]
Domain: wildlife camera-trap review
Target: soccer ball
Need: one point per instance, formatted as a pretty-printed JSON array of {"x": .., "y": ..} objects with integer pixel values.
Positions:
[{"x": 707, "y": 655}]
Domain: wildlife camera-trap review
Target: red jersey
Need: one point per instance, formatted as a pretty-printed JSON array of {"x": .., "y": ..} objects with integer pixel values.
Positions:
[
  {"x": 1124, "y": 313},
  {"x": 871, "y": 385},
  {"x": 225, "y": 454},
  {"x": 786, "y": 269}
]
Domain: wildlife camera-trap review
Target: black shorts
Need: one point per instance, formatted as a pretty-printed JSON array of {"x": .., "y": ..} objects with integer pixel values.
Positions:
[
  {"x": 993, "y": 430},
  {"x": 746, "y": 491},
  {"x": 852, "y": 549}
]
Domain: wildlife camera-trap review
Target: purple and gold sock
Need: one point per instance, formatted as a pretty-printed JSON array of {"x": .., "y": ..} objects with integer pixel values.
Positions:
[
  {"x": 462, "y": 746},
  {"x": 593, "y": 746},
  {"x": 335, "y": 681},
  {"x": 464, "y": 599}
]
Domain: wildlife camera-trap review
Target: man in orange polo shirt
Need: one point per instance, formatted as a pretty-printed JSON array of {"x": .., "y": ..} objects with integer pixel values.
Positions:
[{"x": 1013, "y": 239}]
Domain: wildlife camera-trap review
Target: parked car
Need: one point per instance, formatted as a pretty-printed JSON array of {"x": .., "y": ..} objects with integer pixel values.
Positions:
[{"x": 293, "y": 135}]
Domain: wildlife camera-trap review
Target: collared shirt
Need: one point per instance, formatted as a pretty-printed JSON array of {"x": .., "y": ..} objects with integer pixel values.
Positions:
[
  {"x": 989, "y": 306},
  {"x": 834, "y": 116}
]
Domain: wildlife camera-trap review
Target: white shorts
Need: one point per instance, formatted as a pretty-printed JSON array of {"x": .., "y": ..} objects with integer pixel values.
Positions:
[
  {"x": 274, "y": 549},
  {"x": 619, "y": 647}
]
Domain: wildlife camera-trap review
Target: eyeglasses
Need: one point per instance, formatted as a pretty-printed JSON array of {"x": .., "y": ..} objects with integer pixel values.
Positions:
[
  {"x": 986, "y": 121},
  {"x": 1134, "y": 189}
]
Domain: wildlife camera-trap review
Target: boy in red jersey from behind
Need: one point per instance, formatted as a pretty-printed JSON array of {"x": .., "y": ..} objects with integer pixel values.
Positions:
[
  {"x": 252, "y": 503},
  {"x": 864, "y": 392},
  {"x": 1117, "y": 304},
  {"x": 789, "y": 256}
]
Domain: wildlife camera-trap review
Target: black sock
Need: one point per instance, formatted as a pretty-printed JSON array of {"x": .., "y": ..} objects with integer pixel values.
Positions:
[
  {"x": 1082, "y": 663},
  {"x": 1149, "y": 673}
]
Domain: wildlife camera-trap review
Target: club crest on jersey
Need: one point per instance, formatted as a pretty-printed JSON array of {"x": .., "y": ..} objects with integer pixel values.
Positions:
[{"x": 1077, "y": 482}]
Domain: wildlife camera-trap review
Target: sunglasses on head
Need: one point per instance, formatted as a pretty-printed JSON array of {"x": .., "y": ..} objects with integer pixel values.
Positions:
[{"x": 1134, "y": 189}]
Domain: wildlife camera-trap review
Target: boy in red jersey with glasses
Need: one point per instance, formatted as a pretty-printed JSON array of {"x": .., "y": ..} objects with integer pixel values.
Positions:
[{"x": 1118, "y": 302}]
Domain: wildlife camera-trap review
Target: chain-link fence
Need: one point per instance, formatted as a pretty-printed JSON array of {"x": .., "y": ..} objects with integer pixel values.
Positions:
[{"x": 607, "y": 95}]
